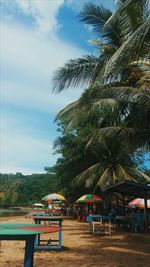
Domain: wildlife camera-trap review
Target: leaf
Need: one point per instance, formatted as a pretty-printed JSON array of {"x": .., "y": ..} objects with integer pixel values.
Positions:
[
  {"x": 75, "y": 72},
  {"x": 133, "y": 48},
  {"x": 69, "y": 108}
]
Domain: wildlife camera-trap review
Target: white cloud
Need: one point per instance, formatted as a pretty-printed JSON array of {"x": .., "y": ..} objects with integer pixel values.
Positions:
[
  {"x": 43, "y": 12},
  {"x": 27, "y": 63},
  {"x": 32, "y": 60},
  {"x": 39, "y": 98},
  {"x": 33, "y": 54},
  {"x": 22, "y": 148}
]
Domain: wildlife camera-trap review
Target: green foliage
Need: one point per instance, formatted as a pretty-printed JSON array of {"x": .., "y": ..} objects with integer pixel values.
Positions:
[
  {"x": 92, "y": 157},
  {"x": 73, "y": 160},
  {"x": 24, "y": 190},
  {"x": 115, "y": 109}
]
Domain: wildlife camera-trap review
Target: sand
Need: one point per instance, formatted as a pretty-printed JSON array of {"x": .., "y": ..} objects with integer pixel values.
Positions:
[{"x": 81, "y": 248}]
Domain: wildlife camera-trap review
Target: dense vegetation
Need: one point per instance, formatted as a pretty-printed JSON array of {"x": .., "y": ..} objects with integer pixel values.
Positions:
[
  {"x": 17, "y": 190},
  {"x": 25, "y": 190}
]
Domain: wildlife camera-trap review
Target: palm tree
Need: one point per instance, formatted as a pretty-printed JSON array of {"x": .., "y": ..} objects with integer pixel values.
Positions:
[
  {"x": 115, "y": 99},
  {"x": 115, "y": 164},
  {"x": 123, "y": 37},
  {"x": 87, "y": 69},
  {"x": 113, "y": 107},
  {"x": 135, "y": 32},
  {"x": 116, "y": 30}
]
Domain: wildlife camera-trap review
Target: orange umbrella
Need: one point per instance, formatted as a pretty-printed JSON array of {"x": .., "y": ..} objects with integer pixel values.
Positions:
[{"x": 139, "y": 203}]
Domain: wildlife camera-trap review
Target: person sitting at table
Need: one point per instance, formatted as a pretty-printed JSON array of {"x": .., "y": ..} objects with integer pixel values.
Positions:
[
  {"x": 79, "y": 214},
  {"x": 137, "y": 220},
  {"x": 113, "y": 213}
]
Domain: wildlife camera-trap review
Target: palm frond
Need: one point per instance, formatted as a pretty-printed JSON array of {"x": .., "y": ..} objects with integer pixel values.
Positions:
[
  {"x": 99, "y": 140},
  {"x": 98, "y": 71},
  {"x": 111, "y": 132},
  {"x": 135, "y": 12},
  {"x": 114, "y": 177},
  {"x": 90, "y": 175},
  {"x": 104, "y": 107},
  {"x": 138, "y": 175},
  {"x": 97, "y": 16},
  {"x": 137, "y": 45},
  {"x": 73, "y": 123},
  {"x": 143, "y": 67},
  {"x": 105, "y": 178},
  {"x": 75, "y": 72},
  {"x": 122, "y": 173},
  {"x": 67, "y": 110},
  {"x": 126, "y": 94}
]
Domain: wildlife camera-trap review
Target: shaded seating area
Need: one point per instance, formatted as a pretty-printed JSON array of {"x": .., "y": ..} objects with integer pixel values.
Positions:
[
  {"x": 137, "y": 219},
  {"x": 122, "y": 216}
]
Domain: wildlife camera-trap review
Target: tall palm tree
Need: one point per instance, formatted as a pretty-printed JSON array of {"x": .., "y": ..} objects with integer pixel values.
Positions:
[
  {"x": 116, "y": 30},
  {"x": 115, "y": 99}
]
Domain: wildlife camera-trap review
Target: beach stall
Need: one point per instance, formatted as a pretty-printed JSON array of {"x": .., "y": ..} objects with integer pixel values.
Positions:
[
  {"x": 88, "y": 199},
  {"x": 138, "y": 190},
  {"x": 55, "y": 203}
]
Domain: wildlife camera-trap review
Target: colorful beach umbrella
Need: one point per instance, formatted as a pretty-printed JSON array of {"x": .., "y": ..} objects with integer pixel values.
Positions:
[
  {"x": 139, "y": 203},
  {"x": 89, "y": 198},
  {"x": 53, "y": 197}
]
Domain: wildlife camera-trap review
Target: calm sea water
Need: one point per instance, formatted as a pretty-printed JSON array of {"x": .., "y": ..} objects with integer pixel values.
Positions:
[{"x": 12, "y": 212}]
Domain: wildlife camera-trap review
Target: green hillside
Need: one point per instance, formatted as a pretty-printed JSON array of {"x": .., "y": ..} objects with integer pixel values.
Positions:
[{"x": 24, "y": 190}]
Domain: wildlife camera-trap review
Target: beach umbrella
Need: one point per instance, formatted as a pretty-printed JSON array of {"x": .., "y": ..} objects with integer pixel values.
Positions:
[
  {"x": 51, "y": 198},
  {"x": 139, "y": 203},
  {"x": 89, "y": 198}
]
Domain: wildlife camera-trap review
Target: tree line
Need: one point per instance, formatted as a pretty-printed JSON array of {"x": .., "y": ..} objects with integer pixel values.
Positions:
[{"x": 25, "y": 190}]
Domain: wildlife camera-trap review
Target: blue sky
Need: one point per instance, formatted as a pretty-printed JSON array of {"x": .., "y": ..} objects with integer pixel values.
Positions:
[{"x": 36, "y": 37}]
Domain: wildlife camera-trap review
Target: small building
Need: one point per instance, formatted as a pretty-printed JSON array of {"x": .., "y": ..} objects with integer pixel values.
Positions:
[{"x": 38, "y": 206}]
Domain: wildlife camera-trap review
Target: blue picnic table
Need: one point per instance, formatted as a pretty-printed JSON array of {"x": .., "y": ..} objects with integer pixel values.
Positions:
[{"x": 38, "y": 219}]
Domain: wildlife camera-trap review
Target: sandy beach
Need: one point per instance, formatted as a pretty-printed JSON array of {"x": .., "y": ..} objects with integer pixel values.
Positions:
[{"x": 81, "y": 248}]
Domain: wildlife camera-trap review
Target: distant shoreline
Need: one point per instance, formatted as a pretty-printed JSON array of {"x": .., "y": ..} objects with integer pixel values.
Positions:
[{"x": 13, "y": 212}]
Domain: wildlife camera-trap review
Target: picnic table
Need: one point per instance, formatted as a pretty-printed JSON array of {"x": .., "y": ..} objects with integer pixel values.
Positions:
[
  {"x": 51, "y": 220},
  {"x": 100, "y": 220},
  {"x": 28, "y": 233}
]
